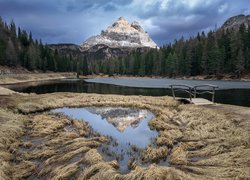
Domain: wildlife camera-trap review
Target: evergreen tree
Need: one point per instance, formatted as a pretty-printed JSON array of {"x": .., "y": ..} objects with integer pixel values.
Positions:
[
  {"x": 240, "y": 64},
  {"x": 121, "y": 66},
  {"x": 32, "y": 57},
  {"x": 13, "y": 31},
  {"x": 215, "y": 53},
  {"x": 85, "y": 67},
  {"x": 2, "y": 52},
  {"x": 11, "y": 54},
  {"x": 141, "y": 70}
]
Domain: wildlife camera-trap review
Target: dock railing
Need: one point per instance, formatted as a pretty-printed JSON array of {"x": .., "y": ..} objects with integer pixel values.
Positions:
[
  {"x": 199, "y": 89},
  {"x": 182, "y": 87},
  {"x": 193, "y": 91}
]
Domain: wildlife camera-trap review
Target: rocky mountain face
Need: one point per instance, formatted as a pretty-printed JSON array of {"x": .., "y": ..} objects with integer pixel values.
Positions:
[
  {"x": 236, "y": 21},
  {"x": 66, "y": 48},
  {"x": 121, "y": 118},
  {"x": 117, "y": 40},
  {"x": 121, "y": 34},
  {"x": 121, "y": 38}
]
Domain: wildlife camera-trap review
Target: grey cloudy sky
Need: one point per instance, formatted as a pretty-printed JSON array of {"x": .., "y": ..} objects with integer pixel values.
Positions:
[{"x": 73, "y": 21}]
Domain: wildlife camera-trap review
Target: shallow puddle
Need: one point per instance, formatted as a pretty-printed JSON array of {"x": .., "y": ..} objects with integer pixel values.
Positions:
[{"x": 126, "y": 128}]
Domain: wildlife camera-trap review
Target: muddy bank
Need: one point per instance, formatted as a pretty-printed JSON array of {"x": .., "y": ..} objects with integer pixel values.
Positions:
[{"x": 199, "y": 142}]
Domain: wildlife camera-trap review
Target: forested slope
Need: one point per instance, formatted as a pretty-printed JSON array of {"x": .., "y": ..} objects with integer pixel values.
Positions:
[{"x": 224, "y": 51}]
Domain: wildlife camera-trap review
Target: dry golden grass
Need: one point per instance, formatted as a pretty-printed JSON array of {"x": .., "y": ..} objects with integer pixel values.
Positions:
[
  {"x": 23, "y": 169},
  {"x": 151, "y": 154},
  {"x": 18, "y": 78},
  {"x": 5, "y": 91},
  {"x": 201, "y": 142},
  {"x": 11, "y": 128}
]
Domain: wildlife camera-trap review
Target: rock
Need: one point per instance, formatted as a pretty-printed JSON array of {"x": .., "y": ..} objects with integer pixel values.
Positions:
[
  {"x": 121, "y": 34},
  {"x": 236, "y": 21},
  {"x": 118, "y": 40},
  {"x": 122, "y": 38},
  {"x": 72, "y": 49},
  {"x": 120, "y": 118}
]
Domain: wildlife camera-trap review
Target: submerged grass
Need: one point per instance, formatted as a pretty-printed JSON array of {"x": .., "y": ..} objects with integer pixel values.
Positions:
[{"x": 201, "y": 143}]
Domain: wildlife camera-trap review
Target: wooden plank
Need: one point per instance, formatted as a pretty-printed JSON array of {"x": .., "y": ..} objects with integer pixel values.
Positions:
[
  {"x": 196, "y": 101},
  {"x": 201, "y": 101}
]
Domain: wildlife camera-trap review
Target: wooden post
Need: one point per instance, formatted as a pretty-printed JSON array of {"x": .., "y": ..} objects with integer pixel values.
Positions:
[
  {"x": 190, "y": 94},
  {"x": 213, "y": 94},
  {"x": 173, "y": 91},
  {"x": 194, "y": 92}
]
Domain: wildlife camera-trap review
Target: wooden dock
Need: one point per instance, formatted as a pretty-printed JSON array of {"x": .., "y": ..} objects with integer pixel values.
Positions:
[
  {"x": 196, "y": 101},
  {"x": 193, "y": 92}
]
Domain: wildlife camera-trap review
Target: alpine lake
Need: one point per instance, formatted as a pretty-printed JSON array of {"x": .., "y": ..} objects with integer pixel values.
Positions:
[{"x": 127, "y": 128}]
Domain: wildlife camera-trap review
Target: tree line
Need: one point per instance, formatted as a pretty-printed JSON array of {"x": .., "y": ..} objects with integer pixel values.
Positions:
[
  {"x": 18, "y": 48},
  {"x": 215, "y": 53}
]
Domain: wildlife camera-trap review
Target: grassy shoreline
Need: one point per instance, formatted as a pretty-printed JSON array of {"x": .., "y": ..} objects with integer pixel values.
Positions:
[
  {"x": 32, "y": 77},
  {"x": 14, "y": 78},
  {"x": 200, "y": 142}
]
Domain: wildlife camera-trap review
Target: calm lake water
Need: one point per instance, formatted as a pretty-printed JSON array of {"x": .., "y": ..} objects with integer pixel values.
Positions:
[
  {"x": 229, "y": 92},
  {"x": 137, "y": 133}
]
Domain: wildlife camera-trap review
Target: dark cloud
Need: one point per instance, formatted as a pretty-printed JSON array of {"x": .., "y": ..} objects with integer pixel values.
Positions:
[
  {"x": 171, "y": 19},
  {"x": 81, "y": 5},
  {"x": 17, "y": 7},
  {"x": 110, "y": 7},
  {"x": 75, "y": 20}
]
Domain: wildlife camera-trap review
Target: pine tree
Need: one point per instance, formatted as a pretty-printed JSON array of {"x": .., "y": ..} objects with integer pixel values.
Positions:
[
  {"x": 30, "y": 38},
  {"x": 204, "y": 62},
  {"x": 189, "y": 57},
  {"x": 23, "y": 38},
  {"x": 11, "y": 54},
  {"x": 170, "y": 65},
  {"x": 240, "y": 66},
  {"x": 2, "y": 52},
  {"x": 141, "y": 70},
  {"x": 32, "y": 57},
  {"x": 121, "y": 66},
  {"x": 85, "y": 66},
  {"x": 235, "y": 45},
  {"x": 173, "y": 65},
  {"x": 13, "y": 31},
  {"x": 149, "y": 61},
  {"x": 131, "y": 62},
  {"x": 136, "y": 63},
  {"x": 156, "y": 68},
  {"x": 163, "y": 62}
]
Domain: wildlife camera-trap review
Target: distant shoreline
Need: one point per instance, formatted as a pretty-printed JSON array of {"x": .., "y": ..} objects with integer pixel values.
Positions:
[
  {"x": 10, "y": 75},
  {"x": 14, "y": 78},
  {"x": 226, "y": 77}
]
